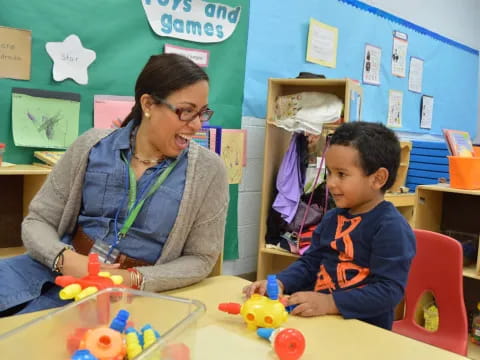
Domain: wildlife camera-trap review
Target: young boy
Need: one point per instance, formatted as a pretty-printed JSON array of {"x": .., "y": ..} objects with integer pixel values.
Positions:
[{"x": 358, "y": 263}]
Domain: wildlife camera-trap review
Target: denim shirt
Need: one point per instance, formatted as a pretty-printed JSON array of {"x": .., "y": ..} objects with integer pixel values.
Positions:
[{"x": 105, "y": 192}]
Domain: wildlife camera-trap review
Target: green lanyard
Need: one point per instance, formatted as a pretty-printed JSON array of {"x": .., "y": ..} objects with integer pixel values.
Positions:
[{"x": 132, "y": 194}]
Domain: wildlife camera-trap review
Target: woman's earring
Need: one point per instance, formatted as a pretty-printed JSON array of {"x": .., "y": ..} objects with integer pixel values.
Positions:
[{"x": 147, "y": 115}]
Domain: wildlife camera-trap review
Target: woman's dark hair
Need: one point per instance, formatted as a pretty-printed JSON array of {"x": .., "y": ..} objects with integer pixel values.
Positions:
[
  {"x": 162, "y": 75},
  {"x": 377, "y": 145}
]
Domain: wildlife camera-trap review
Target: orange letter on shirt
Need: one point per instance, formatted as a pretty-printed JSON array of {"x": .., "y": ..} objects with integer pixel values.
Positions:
[
  {"x": 342, "y": 269},
  {"x": 324, "y": 281},
  {"x": 345, "y": 236}
]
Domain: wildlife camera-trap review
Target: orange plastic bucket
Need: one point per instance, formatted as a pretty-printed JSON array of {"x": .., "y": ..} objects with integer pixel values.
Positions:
[{"x": 464, "y": 172}]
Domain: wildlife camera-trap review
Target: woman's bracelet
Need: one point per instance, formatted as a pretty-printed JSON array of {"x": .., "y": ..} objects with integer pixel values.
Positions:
[
  {"x": 57, "y": 265},
  {"x": 136, "y": 279}
]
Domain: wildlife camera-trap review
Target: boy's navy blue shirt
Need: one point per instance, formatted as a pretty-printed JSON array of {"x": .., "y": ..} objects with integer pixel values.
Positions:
[{"x": 363, "y": 260}]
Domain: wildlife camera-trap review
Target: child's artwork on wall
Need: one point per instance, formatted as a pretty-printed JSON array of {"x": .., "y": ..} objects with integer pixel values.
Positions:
[
  {"x": 371, "y": 65},
  {"x": 109, "y": 111},
  {"x": 42, "y": 118},
  {"x": 15, "y": 53},
  {"x": 233, "y": 153},
  {"x": 399, "y": 53},
  {"x": 395, "y": 104},
  {"x": 70, "y": 59}
]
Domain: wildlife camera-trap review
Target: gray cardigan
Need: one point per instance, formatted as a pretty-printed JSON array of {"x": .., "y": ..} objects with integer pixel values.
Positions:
[{"x": 194, "y": 243}]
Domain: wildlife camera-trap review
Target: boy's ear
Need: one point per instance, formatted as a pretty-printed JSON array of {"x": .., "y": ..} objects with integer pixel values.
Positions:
[{"x": 380, "y": 177}]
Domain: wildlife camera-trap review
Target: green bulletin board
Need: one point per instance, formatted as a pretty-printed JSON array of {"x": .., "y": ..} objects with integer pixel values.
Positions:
[{"x": 119, "y": 33}]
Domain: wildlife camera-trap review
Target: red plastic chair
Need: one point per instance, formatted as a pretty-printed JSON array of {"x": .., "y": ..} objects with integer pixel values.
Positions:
[{"x": 437, "y": 267}]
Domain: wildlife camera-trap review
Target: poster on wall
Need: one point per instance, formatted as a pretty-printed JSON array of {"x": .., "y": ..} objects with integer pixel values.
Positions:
[
  {"x": 322, "y": 44},
  {"x": 426, "y": 112},
  {"x": 399, "y": 53},
  {"x": 233, "y": 153},
  {"x": 192, "y": 20},
  {"x": 415, "y": 75},
  {"x": 109, "y": 111},
  {"x": 395, "y": 104},
  {"x": 15, "y": 53},
  {"x": 70, "y": 59},
  {"x": 371, "y": 65},
  {"x": 199, "y": 57},
  {"x": 42, "y": 118}
]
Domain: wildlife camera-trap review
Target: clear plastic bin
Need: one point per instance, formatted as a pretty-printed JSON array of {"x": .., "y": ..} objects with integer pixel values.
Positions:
[{"x": 47, "y": 337}]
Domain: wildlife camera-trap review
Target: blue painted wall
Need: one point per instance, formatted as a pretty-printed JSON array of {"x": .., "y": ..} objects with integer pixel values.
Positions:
[{"x": 277, "y": 47}]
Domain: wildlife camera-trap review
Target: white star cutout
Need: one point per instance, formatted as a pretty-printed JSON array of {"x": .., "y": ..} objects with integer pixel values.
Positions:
[{"x": 70, "y": 59}]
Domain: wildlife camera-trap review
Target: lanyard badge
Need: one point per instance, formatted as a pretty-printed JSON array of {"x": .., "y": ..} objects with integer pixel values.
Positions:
[{"x": 109, "y": 253}]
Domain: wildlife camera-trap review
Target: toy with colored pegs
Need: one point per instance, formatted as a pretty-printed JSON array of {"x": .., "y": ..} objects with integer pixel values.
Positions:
[
  {"x": 260, "y": 311},
  {"x": 79, "y": 288},
  {"x": 104, "y": 343},
  {"x": 288, "y": 344}
]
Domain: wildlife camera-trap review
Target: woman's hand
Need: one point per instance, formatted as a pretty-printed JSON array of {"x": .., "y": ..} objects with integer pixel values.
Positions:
[
  {"x": 76, "y": 265},
  {"x": 311, "y": 303},
  {"x": 260, "y": 287}
]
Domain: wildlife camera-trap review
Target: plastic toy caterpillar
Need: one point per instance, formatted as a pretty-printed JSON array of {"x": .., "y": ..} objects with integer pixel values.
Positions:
[{"x": 117, "y": 342}]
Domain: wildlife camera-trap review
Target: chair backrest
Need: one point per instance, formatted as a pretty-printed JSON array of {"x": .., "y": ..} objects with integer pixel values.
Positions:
[{"x": 438, "y": 268}]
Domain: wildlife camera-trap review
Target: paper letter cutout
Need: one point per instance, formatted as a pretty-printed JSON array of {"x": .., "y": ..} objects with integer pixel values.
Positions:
[{"x": 70, "y": 59}]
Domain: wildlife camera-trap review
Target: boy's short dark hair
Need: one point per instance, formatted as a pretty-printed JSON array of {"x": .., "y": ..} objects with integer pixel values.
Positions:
[{"x": 377, "y": 145}]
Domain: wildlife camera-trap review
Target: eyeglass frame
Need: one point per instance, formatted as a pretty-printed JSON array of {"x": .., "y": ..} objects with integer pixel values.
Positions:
[{"x": 179, "y": 111}]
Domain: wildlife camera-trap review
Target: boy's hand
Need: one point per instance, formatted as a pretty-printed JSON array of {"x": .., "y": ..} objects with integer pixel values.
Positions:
[
  {"x": 260, "y": 287},
  {"x": 311, "y": 303}
]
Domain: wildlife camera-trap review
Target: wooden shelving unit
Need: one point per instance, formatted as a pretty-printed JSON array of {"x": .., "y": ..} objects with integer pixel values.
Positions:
[
  {"x": 18, "y": 186},
  {"x": 276, "y": 143},
  {"x": 440, "y": 207}
]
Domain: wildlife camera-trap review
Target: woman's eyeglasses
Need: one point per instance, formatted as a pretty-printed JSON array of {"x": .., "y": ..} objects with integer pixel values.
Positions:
[{"x": 187, "y": 114}]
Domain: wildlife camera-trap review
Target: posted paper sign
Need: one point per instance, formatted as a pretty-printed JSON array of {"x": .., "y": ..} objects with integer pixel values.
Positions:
[
  {"x": 399, "y": 54},
  {"x": 109, "y": 111},
  {"x": 15, "y": 53},
  {"x": 395, "y": 104},
  {"x": 322, "y": 44},
  {"x": 70, "y": 59},
  {"x": 193, "y": 20},
  {"x": 416, "y": 75},
  {"x": 427, "y": 112},
  {"x": 371, "y": 65},
  {"x": 199, "y": 57}
]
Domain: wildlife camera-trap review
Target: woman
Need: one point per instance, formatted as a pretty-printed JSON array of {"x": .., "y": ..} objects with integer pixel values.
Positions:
[{"x": 147, "y": 199}]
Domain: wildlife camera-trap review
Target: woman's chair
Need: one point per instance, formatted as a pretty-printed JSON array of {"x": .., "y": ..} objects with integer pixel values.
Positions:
[{"x": 437, "y": 268}]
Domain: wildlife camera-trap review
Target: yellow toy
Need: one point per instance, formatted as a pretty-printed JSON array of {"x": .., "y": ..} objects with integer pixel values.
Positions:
[{"x": 260, "y": 311}]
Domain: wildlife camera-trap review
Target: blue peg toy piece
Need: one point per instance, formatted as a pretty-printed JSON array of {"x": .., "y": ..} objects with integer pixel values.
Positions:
[
  {"x": 272, "y": 287},
  {"x": 265, "y": 332},
  {"x": 119, "y": 323},
  {"x": 83, "y": 355}
]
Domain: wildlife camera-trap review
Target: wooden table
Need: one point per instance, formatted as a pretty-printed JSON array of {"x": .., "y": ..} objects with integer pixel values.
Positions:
[{"x": 221, "y": 336}]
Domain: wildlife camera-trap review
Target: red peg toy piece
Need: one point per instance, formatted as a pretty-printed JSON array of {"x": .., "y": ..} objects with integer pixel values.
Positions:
[{"x": 289, "y": 344}]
